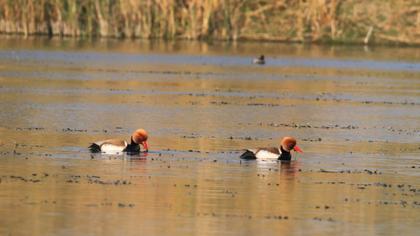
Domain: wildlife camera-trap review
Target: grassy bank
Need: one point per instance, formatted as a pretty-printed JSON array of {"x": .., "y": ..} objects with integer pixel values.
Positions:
[{"x": 351, "y": 21}]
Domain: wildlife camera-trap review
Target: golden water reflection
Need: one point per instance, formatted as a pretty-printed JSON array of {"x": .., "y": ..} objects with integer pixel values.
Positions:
[{"x": 357, "y": 126}]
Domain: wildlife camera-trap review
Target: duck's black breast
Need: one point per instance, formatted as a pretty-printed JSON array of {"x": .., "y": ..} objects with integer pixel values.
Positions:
[
  {"x": 132, "y": 149},
  {"x": 285, "y": 156}
]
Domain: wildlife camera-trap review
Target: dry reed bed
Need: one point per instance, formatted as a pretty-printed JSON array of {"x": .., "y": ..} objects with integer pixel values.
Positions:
[{"x": 278, "y": 20}]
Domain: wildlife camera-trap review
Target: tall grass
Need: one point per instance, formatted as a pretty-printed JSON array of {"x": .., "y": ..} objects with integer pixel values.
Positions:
[{"x": 279, "y": 20}]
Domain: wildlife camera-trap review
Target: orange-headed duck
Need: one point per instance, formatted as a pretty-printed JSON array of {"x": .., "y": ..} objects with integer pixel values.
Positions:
[
  {"x": 114, "y": 146},
  {"x": 281, "y": 153}
]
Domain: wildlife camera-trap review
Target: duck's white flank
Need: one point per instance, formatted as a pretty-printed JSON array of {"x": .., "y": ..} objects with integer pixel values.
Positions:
[
  {"x": 113, "y": 149},
  {"x": 264, "y": 154}
]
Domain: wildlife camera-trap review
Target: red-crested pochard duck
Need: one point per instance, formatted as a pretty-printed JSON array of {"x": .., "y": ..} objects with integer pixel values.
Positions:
[
  {"x": 260, "y": 60},
  {"x": 281, "y": 153},
  {"x": 113, "y": 146}
]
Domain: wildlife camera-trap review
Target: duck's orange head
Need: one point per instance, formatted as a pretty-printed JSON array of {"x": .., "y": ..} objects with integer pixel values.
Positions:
[
  {"x": 140, "y": 137},
  {"x": 289, "y": 143}
]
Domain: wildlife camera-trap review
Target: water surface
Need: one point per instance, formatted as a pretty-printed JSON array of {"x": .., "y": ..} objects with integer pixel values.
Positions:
[{"x": 354, "y": 110}]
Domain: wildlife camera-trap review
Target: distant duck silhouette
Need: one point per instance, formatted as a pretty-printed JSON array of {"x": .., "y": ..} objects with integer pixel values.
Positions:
[
  {"x": 117, "y": 146},
  {"x": 260, "y": 60}
]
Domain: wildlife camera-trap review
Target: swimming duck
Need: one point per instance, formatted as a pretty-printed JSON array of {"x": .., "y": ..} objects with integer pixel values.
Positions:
[
  {"x": 281, "y": 153},
  {"x": 260, "y": 60},
  {"x": 115, "y": 146}
]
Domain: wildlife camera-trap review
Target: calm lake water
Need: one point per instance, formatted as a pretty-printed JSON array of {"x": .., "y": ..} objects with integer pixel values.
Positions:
[{"x": 354, "y": 110}]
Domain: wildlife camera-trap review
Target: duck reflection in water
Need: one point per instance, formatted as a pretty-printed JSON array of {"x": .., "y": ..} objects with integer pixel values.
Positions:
[{"x": 289, "y": 168}]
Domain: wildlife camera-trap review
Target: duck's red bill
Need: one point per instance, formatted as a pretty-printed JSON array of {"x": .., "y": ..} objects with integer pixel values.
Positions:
[
  {"x": 145, "y": 145},
  {"x": 297, "y": 149}
]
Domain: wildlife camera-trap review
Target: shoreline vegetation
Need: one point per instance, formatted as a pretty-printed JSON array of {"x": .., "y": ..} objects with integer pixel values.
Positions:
[{"x": 308, "y": 21}]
